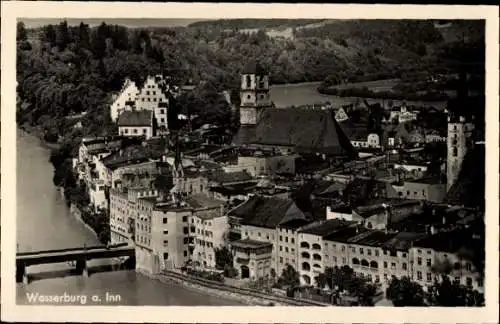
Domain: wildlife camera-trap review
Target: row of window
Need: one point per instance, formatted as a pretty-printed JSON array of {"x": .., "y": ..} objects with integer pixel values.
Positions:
[
  {"x": 292, "y": 250},
  {"x": 306, "y": 245},
  {"x": 135, "y": 131},
  {"x": 292, "y": 240}
]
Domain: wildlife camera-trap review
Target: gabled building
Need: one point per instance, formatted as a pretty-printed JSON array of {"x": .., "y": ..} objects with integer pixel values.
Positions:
[
  {"x": 288, "y": 130},
  {"x": 136, "y": 123},
  {"x": 124, "y": 100}
]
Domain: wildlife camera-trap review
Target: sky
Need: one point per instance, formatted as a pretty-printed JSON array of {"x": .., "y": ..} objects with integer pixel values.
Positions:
[{"x": 35, "y": 22}]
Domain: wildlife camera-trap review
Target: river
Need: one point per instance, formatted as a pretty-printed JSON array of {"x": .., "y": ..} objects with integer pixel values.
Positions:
[
  {"x": 286, "y": 95},
  {"x": 44, "y": 222}
]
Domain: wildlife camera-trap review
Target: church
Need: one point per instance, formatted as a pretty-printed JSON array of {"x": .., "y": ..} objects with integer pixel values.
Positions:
[{"x": 289, "y": 130}]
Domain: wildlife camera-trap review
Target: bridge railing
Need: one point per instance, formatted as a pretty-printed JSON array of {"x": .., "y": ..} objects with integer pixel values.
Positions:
[{"x": 88, "y": 248}]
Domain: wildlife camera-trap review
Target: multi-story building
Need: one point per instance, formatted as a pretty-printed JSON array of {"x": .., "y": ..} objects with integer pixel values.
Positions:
[
  {"x": 252, "y": 259},
  {"x": 211, "y": 227},
  {"x": 448, "y": 253},
  {"x": 154, "y": 97},
  {"x": 311, "y": 247},
  {"x": 136, "y": 123},
  {"x": 287, "y": 244},
  {"x": 123, "y": 211},
  {"x": 124, "y": 100},
  {"x": 259, "y": 217}
]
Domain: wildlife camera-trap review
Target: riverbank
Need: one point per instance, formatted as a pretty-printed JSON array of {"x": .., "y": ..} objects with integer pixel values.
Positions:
[
  {"x": 35, "y": 131},
  {"x": 77, "y": 213}
]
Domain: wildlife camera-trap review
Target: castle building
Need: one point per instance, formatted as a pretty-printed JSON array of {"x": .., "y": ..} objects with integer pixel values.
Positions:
[{"x": 301, "y": 130}]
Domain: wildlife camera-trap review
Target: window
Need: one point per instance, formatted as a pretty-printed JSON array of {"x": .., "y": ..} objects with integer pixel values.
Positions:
[
  {"x": 281, "y": 248},
  {"x": 468, "y": 281},
  {"x": 248, "y": 81},
  {"x": 164, "y": 220},
  {"x": 165, "y": 256},
  {"x": 468, "y": 267},
  {"x": 344, "y": 261},
  {"x": 281, "y": 259},
  {"x": 293, "y": 250},
  {"x": 165, "y": 243},
  {"x": 281, "y": 238},
  {"x": 353, "y": 249},
  {"x": 286, "y": 249},
  {"x": 286, "y": 239},
  {"x": 361, "y": 251},
  {"x": 147, "y": 92},
  {"x": 404, "y": 266},
  {"x": 258, "y": 234},
  {"x": 248, "y": 97},
  {"x": 419, "y": 261},
  {"x": 343, "y": 248},
  {"x": 419, "y": 275},
  {"x": 292, "y": 240},
  {"x": 369, "y": 252},
  {"x": 126, "y": 131},
  {"x": 429, "y": 276},
  {"x": 162, "y": 111},
  {"x": 376, "y": 253},
  {"x": 455, "y": 151},
  {"x": 393, "y": 265},
  {"x": 385, "y": 264},
  {"x": 162, "y": 120},
  {"x": 429, "y": 262},
  {"x": 186, "y": 240},
  {"x": 185, "y": 230},
  {"x": 184, "y": 219}
]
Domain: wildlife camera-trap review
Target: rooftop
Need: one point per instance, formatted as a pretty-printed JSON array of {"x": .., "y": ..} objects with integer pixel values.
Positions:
[
  {"x": 250, "y": 244},
  {"x": 202, "y": 201},
  {"x": 374, "y": 238},
  {"x": 294, "y": 224},
  {"x": 344, "y": 234},
  {"x": 325, "y": 227},
  {"x": 135, "y": 118},
  {"x": 266, "y": 212},
  {"x": 451, "y": 241},
  {"x": 305, "y": 129},
  {"x": 403, "y": 241}
]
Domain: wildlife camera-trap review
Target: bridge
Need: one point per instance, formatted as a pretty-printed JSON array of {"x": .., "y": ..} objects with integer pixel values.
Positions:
[{"x": 79, "y": 256}]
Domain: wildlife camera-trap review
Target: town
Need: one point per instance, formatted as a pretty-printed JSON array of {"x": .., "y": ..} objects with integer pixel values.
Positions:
[{"x": 353, "y": 204}]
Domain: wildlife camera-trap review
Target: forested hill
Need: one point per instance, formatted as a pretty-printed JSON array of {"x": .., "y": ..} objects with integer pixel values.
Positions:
[{"x": 68, "y": 69}]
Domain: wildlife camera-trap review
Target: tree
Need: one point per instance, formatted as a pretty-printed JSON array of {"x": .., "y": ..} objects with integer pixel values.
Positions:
[
  {"x": 62, "y": 35},
  {"x": 223, "y": 258},
  {"x": 289, "y": 277},
  {"x": 22, "y": 34},
  {"x": 452, "y": 294},
  {"x": 404, "y": 292}
]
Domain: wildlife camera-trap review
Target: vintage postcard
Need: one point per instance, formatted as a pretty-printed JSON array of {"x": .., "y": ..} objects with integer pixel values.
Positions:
[{"x": 249, "y": 163}]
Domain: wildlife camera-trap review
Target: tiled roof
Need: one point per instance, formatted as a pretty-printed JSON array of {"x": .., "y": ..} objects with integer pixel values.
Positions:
[
  {"x": 451, "y": 241},
  {"x": 247, "y": 243},
  {"x": 403, "y": 241},
  {"x": 345, "y": 233},
  {"x": 266, "y": 212},
  {"x": 220, "y": 176},
  {"x": 308, "y": 130},
  {"x": 136, "y": 118},
  {"x": 326, "y": 227},
  {"x": 372, "y": 238},
  {"x": 129, "y": 155},
  {"x": 295, "y": 223}
]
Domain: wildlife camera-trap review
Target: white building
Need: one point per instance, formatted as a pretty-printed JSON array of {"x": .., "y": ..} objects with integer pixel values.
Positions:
[
  {"x": 124, "y": 99},
  {"x": 136, "y": 123},
  {"x": 153, "y": 97}
]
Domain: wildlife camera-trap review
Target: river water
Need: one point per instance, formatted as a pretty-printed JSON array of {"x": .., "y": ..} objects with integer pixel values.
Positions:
[{"x": 44, "y": 222}]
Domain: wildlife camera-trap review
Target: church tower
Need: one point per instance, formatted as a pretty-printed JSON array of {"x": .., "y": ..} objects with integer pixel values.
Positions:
[
  {"x": 460, "y": 132},
  {"x": 254, "y": 93},
  {"x": 460, "y": 140}
]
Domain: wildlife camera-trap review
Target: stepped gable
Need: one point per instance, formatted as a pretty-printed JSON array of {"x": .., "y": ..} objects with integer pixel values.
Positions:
[
  {"x": 308, "y": 130},
  {"x": 469, "y": 188}
]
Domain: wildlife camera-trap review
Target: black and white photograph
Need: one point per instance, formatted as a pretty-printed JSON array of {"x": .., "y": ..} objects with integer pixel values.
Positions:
[{"x": 333, "y": 163}]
